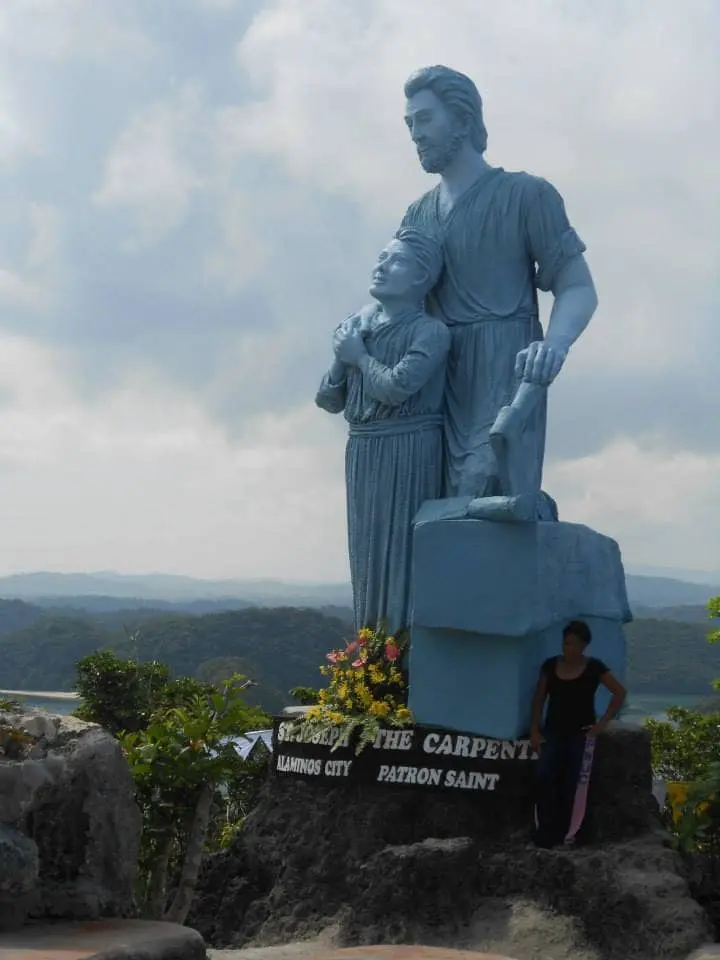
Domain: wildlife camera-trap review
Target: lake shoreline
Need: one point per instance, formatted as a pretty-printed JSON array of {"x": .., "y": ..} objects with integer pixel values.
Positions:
[{"x": 639, "y": 706}]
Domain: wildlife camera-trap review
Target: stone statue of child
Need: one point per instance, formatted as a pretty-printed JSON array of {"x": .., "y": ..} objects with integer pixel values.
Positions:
[
  {"x": 505, "y": 236},
  {"x": 388, "y": 379}
]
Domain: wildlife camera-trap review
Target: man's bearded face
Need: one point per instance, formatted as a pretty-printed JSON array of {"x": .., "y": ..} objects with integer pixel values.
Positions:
[{"x": 436, "y": 132}]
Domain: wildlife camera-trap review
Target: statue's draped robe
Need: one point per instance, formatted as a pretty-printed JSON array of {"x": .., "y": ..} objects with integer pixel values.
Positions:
[
  {"x": 506, "y": 237},
  {"x": 393, "y": 459}
]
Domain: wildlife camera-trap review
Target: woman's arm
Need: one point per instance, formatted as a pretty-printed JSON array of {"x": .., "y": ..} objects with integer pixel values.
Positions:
[{"x": 619, "y": 693}]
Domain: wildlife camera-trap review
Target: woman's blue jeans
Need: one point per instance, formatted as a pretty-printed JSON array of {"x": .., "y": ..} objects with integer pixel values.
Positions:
[{"x": 557, "y": 772}]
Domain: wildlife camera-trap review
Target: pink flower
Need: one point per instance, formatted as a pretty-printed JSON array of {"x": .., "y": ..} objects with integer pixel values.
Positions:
[
  {"x": 334, "y": 656},
  {"x": 351, "y": 647},
  {"x": 392, "y": 651},
  {"x": 360, "y": 662}
]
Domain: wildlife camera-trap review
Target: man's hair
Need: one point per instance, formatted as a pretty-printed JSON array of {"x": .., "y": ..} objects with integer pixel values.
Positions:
[
  {"x": 579, "y": 629},
  {"x": 426, "y": 251},
  {"x": 458, "y": 93}
]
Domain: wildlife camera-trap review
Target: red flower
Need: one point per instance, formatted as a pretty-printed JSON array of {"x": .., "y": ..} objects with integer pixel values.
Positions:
[{"x": 392, "y": 651}]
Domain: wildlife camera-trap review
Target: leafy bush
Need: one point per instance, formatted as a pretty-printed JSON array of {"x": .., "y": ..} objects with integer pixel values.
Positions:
[
  {"x": 686, "y": 748},
  {"x": 193, "y": 789}
]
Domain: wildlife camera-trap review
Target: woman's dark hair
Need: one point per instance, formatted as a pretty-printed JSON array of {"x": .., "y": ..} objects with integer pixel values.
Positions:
[{"x": 579, "y": 629}]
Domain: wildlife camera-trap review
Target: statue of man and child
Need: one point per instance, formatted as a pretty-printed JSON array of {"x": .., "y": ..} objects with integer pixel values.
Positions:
[{"x": 443, "y": 378}]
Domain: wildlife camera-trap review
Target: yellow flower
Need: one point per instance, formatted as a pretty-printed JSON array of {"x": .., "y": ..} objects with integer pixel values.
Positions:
[
  {"x": 403, "y": 715},
  {"x": 379, "y": 709},
  {"x": 375, "y": 674}
]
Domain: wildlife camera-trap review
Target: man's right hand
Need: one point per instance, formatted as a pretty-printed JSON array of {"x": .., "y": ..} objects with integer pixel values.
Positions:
[{"x": 536, "y": 740}]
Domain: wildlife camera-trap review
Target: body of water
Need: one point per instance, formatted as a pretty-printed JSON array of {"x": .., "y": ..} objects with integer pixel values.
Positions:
[
  {"x": 639, "y": 706},
  {"x": 51, "y": 701}
]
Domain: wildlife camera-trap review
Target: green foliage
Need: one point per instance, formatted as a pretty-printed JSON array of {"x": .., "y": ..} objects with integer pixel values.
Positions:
[
  {"x": 714, "y": 635},
  {"x": 684, "y": 746},
  {"x": 699, "y": 826},
  {"x": 119, "y": 694},
  {"x": 687, "y": 749},
  {"x": 216, "y": 669},
  {"x": 178, "y": 762},
  {"x": 10, "y": 704},
  {"x": 306, "y": 696},
  {"x": 193, "y": 789}
]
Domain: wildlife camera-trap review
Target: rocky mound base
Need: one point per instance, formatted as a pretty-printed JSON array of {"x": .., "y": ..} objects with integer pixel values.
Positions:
[
  {"x": 403, "y": 865},
  {"x": 69, "y": 825}
]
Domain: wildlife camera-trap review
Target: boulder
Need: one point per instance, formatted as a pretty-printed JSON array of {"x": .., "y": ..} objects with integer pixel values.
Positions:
[
  {"x": 67, "y": 809},
  {"x": 407, "y": 865},
  {"x": 18, "y": 875}
]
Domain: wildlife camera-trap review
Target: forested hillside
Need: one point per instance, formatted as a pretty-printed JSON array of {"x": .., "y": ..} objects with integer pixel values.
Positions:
[
  {"x": 280, "y": 647},
  {"x": 666, "y": 656}
]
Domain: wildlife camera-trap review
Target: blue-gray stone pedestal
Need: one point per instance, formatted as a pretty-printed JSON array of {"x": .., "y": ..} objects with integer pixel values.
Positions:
[{"x": 490, "y": 602}]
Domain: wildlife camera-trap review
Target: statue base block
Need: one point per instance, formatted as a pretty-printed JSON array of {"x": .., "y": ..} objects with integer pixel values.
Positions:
[{"x": 491, "y": 600}]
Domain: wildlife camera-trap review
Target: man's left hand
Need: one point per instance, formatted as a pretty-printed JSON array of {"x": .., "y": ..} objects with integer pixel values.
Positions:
[
  {"x": 350, "y": 348},
  {"x": 540, "y": 362},
  {"x": 595, "y": 729}
]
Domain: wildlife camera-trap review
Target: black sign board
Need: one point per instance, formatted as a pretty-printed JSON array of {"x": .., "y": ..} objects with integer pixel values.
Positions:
[{"x": 415, "y": 757}]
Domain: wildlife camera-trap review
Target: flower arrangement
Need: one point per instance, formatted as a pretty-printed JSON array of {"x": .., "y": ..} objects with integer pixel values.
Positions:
[{"x": 366, "y": 689}]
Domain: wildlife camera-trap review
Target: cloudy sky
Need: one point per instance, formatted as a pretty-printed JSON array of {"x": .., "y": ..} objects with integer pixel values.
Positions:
[{"x": 192, "y": 194}]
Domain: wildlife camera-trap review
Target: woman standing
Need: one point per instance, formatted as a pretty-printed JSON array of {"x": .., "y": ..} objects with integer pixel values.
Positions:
[{"x": 566, "y": 740}]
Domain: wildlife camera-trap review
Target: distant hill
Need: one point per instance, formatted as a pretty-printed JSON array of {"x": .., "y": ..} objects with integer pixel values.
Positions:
[
  {"x": 102, "y": 592},
  {"x": 707, "y": 578},
  {"x": 665, "y": 656},
  {"x": 666, "y": 592},
  {"x": 16, "y": 615},
  {"x": 52, "y": 588},
  {"x": 100, "y": 604},
  {"x": 686, "y": 613},
  {"x": 279, "y": 648}
]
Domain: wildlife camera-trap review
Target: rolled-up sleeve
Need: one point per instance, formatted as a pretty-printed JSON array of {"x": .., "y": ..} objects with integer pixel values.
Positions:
[{"x": 552, "y": 242}]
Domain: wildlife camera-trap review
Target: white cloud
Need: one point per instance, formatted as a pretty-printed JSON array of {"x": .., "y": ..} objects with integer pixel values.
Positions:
[
  {"x": 146, "y": 482},
  {"x": 61, "y": 30},
  {"x": 149, "y": 170},
  {"x": 27, "y": 283},
  {"x": 257, "y": 183},
  {"x": 643, "y": 497},
  {"x": 16, "y": 291}
]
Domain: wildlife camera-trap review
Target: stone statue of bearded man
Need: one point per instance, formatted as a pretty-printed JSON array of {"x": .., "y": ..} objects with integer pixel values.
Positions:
[{"x": 504, "y": 237}]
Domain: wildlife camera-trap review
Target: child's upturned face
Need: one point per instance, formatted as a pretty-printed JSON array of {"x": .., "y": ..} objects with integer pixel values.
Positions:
[{"x": 395, "y": 273}]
